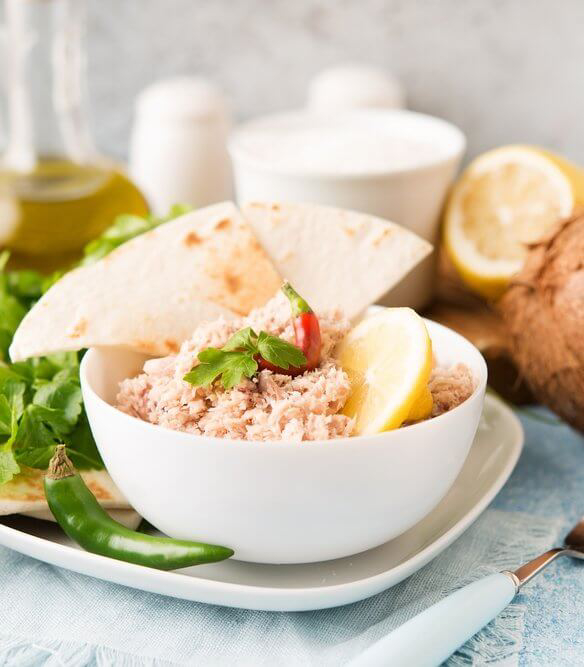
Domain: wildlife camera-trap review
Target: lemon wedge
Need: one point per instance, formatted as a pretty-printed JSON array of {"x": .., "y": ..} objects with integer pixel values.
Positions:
[
  {"x": 388, "y": 357},
  {"x": 505, "y": 199},
  {"x": 422, "y": 407}
]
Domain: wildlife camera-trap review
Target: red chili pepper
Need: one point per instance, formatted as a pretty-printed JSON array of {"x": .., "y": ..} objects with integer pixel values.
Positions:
[{"x": 306, "y": 334}]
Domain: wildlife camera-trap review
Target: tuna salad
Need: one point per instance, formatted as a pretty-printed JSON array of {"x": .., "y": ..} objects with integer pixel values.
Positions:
[
  {"x": 449, "y": 387},
  {"x": 268, "y": 406},
  {"x": 283, "y": 383}
]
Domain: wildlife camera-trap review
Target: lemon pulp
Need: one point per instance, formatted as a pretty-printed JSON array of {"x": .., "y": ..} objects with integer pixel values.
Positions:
[{"x": 388, "y": 357}]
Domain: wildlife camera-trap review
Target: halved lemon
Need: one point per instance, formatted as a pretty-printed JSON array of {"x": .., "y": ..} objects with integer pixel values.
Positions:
[
  {"x": 388, "y": 357},
  {"x": 506, "y": 199}
]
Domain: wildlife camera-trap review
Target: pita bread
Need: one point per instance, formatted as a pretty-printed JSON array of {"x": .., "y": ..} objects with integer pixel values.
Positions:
[
  {"x": 25, "y": 493},
  {"x": 335, "y": 257},
  {"x": 152, "y": 292}
]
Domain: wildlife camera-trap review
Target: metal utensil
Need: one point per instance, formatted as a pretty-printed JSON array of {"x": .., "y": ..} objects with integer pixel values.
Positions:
[{"x": 431, "y": 637}]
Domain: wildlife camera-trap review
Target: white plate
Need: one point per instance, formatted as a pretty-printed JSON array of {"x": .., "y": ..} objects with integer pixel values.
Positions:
[{"x": 491, "y": 460}]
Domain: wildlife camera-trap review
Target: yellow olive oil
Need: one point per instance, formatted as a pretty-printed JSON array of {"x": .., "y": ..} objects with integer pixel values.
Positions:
[{"x": 49, "y": 213}]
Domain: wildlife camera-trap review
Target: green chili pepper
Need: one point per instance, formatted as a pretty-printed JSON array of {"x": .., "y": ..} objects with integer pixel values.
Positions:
[{"x": 87, "y": 523}]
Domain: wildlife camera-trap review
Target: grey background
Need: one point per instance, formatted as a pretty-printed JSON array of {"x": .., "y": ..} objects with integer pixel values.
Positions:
[{"x": 503, "y": 70}]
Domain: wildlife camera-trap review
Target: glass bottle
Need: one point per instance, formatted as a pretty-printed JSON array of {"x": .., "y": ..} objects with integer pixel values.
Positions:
[{"x": 56, "y": 191}]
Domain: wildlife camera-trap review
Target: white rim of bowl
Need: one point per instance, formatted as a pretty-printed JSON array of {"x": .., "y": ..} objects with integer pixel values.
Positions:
[
  {"x": 479, "y": 391},
  {"x": 240, "y": 154}
]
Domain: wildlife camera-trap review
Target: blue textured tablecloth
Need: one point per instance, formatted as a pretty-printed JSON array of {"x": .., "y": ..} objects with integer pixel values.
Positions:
[{"x": 50, "y": 616}]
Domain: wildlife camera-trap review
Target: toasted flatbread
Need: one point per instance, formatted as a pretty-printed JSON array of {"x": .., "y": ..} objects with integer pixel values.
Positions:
[
  {"x": 333, "y": 257},
  {"x": 25, "y": 492},
  {"x": 152, "y": 292}
]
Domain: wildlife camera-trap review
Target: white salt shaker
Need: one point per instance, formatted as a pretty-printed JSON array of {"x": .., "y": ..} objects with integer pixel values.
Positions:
[
  {"x": 178, "y": 146},
  {"x": 354, "y": 86}
]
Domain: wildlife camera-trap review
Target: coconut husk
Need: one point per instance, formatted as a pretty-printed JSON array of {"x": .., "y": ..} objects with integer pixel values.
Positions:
[{"x": 543, "y": 311}]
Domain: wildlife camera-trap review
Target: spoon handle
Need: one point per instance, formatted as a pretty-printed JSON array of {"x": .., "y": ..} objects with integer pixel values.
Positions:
[{"x": 429, "y": 638}]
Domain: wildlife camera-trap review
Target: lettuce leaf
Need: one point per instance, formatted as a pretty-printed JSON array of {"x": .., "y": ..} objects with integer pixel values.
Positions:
[{"x": 40, "y": 399}]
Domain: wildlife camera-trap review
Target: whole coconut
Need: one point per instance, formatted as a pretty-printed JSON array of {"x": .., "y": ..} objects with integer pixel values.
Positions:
[{"x": 543, "y": 310}]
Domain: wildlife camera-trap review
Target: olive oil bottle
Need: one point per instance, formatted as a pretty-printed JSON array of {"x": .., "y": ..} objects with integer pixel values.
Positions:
[{"x": 56, "y": 191}]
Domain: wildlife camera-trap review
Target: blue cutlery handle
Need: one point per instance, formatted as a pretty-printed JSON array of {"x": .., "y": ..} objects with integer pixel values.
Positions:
[{"x": 431, "y": 637}]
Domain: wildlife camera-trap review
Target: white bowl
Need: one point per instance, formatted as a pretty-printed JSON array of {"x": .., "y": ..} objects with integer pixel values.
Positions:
[
  {"x": 282, "y": 502},
  {"x": 412, "y": 196}
]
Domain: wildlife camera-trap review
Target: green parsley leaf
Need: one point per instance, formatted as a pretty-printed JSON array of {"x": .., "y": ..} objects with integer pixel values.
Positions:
[
  {"x": 8, "y": 466},
  {"x": 210, "y": 368},
  {"x": 12, "y": 388},
  {"x": 244, "y": 339},
  {"x": 231, "y": 366},
  {"x": 40, "y": 399},
  {"x": 35, "y": 457},
  {"x": 15, "y": 393},
  {"x": 5, "y": 416},
  {"x": 25, "y": 284},
  {"x": 11, "y": 312},
  {"x": 240, "y": 365},
  {"x": 5, "y": 340},
  {"x": 62, "y": 396},
  {"x": 280, "y": 352},
  {"x": 237, "y": 358},
  {"x": 211, "y": 355},
  {"x": 70, "y": 373},
  {"x": 127, "y": 226},
  {"x": 176, "y": 210},
  {"x": 40, "y": 427},
  {"x": 61, "y": 360},
  {"x": 42, "y": 369},
  {"x": 81, "y": 446},
  {"x": 21, "y": 371}
]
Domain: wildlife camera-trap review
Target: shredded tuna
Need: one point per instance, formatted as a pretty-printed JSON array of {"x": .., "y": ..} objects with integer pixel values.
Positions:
[
  {"x": 269, "y": 407},
  {"x": 450, "y": 387}
]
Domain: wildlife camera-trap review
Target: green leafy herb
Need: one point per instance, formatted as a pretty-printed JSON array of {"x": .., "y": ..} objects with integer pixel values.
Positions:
[
  {"x": 35, "y": 457},
  {"x": 8, "y": 465},
  {"x": 279, "y": 352},
  {"x": 26, "y": 285},
  {"x": 244, "y": 339},
  {"x": 5, "y": 416},
  {"x": 61, "y": 395},
  {"x": 12, "y": 312},
  {"x": 40, "y": 399},
  {"x": 14, "y": 392},
  {"x": 231, "y": 367},
  {"x": 5, "y": 340},
  {"x": 237, "y": 359},
  {"x": 81, "y": 449},
  {"x": 40, "y": 406}
]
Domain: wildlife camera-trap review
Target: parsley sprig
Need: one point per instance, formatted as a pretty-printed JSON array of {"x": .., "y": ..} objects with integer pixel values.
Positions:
[
  {"x": 40, "y": 399},
  {"x": 237, "y": 359}
]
